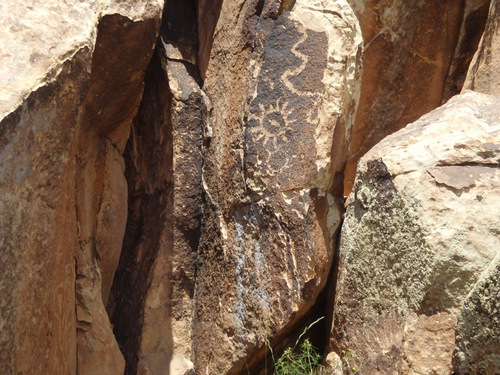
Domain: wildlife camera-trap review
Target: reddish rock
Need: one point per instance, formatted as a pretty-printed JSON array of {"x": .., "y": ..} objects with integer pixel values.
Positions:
[
  {"x": 484, "y": 72},
  {"x": 416, "y": 55},
  {"x": 68, "y": 100},
  {"x": 153, "y": 290},
  {"x": 283, "y": 83}
]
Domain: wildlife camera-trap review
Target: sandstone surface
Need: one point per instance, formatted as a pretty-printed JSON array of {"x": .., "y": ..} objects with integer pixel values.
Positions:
[
  {"x": 420, "y": 228},
  {"x": 72, "y": 78},
  {"x": 284, "y": 88},
  {"x": 416, "y": 55},
  {"x": 484, "y": 72},
  {"x": 478, "y": 342},
  {"x": 153, "y": 290},
  {"x": 171, "y": 185}
]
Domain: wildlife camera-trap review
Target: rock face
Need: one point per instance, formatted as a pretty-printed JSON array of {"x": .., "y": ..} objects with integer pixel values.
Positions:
[
  {"x": 171, "y": 185},
  {"x": 416, "y": 56},
  {"x": 484, "y": 72},
  {"x": 284, "y": 86},
  {"x": 420, "y": 228},
  {"x": 66, "y": 109},
  {"x": 153, "y": 290},
  {"x": 478, "y": 326}
]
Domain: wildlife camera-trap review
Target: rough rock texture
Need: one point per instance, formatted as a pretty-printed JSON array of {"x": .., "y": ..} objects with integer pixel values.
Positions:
[
  {"x": 416, "y": 55},
  {"x": 333, "y": 364},
  {"x": 171, "y": 184},
  {"x": 66, "y": 108},
  {"x": 478, "y": 339},
  {"x": 420, "y": 228},
  {"x": 283, "y": 86},
  {"x": 484, "y": 72},
  {"x": 153, "y": 290}
]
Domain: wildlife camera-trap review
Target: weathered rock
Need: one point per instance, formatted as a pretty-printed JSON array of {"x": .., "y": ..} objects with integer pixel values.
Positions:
[
  {"x": 283, "y": 84},
  {"x": 484, "y": 72},
  {"x": 66, "y": 102},
  {"x": 149, "y": 225},
  {"x": 155, "y": 282},
  {"x": 416, "y": 55},
  {"x": 420, "y": 228},
  {"x": 333, "y": 364},
  {"x": 473, "y": 20},
  {"x": 477, "y": 333},
  {"x": 111, "y": 218}
]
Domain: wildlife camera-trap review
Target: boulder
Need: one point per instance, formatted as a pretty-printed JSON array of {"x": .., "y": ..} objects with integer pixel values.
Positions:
[
  {"x": 484, "y": 71},
  {"x": 420, "y": 228},
  {"x": 283, "y": 83},
  {"x": 72, "y": 77},
  {"x": 416, "y": 56}
]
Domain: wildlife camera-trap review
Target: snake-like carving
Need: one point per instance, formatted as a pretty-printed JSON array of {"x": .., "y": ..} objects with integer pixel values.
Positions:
[{"x": 280, "y": 134}]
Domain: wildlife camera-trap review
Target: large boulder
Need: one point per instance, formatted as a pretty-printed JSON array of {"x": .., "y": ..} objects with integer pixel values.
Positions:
[
  {"x": 416, "y": 57},
  {"x": 283, "y": 83},
  {"x": 421, "y": 226},
  {"x": 72, "y": 79}
]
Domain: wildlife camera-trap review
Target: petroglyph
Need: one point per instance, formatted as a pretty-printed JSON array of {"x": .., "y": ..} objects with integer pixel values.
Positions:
[{"x": 280, "y": 135}]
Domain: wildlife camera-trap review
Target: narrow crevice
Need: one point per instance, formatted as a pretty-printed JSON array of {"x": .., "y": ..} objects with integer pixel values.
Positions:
[
  {"x": 468, "y": 37},
  {"x": 330, "y": 292},
  {"x": 167, "y": 122},
  {"x": 262, "y": 360},
  {"x": 148, "y": 158},
  {"x": 207, "y": 13}
]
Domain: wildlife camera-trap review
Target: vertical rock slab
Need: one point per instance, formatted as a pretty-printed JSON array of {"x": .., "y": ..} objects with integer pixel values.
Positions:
[
  {"x": 416, "y": 54},
  {"x": 484, "y": 72},
  {"x": 70, "y": 93},
  {"x": 282, "y": 80},
  {"x": 115, "y": 91},
  {"x": 474, "y": 16},
  {"x": 38, "y": 226},
  {"x": 154, "y": 286},
  {"x": 44, "y": 79},
  {"x": 420, "y": 228}
]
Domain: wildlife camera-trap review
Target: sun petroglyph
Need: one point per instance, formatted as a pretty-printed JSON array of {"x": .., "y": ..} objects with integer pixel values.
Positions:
[{"x": 280, "y": 144}]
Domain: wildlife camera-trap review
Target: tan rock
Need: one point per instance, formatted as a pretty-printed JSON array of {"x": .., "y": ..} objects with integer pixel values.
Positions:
[
  {"x": 428, "y": 342},
  {"x": 140, "y": 275},
  {"x": 169, "y": 302},
  {"x": 112, "y": 217},
  {"x": 416, "y": 55},
  {"x": 98, "y": 351},
  {"x": 478, "y": 328},
  {"x": 65, "y": 99},
  {"x": 284, "y": 92},
  {"x": 333, "y": 364},
  {"x": 419, "y": 230},
  {"x": 484, "y": 71}
]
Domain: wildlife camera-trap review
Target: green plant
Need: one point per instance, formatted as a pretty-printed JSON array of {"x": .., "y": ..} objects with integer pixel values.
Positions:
[
  {"x": 303, "y": 361},
  {"x": 353, "y": 361},
  {"x": 300, "y": 359}
]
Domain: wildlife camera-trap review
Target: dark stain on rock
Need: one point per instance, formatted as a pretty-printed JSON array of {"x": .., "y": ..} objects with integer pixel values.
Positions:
[
  {"x": 282, "y": 114},
  {"x": 457, "y": 178}
]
